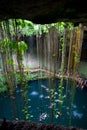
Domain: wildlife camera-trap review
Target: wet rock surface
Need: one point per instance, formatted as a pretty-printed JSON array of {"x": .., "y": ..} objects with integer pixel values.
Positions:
[{"x": 25, "y": 125}]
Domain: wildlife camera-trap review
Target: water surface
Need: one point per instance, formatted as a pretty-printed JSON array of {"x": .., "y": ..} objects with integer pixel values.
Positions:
[{"x": 45, "y": 101}]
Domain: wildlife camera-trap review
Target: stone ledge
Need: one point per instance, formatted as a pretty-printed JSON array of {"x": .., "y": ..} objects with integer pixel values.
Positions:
[{"x": 26, "y": 125}]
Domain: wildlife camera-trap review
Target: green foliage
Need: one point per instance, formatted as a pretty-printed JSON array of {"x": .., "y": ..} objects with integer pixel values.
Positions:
[
  {"x": 4, "y": 44},
  {"x": 3, "y": 86},
  {"x": 26, "y": 27},
  {"x": 39, "y": 29},
  {"x": 9, "y": 61},
  {"x": 22, "y": 47}
]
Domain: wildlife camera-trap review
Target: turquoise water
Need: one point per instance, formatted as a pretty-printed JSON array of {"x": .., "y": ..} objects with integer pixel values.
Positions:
[{"x": 44, "y": 103}]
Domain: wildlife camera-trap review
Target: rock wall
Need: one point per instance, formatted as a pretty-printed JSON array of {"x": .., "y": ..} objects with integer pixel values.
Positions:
[
  {"x": 25, "y": 125},
  {"x": 44, "y": 11}
]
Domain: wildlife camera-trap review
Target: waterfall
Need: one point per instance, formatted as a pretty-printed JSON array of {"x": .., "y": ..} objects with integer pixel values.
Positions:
[{"x": 30, "y": 57}]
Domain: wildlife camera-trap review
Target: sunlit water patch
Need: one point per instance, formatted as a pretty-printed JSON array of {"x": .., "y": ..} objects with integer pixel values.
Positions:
[{"x": 47, "y": 104}]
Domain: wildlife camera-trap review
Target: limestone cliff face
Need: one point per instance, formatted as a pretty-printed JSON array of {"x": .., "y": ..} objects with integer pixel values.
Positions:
[{"x": 44, "y": 11}]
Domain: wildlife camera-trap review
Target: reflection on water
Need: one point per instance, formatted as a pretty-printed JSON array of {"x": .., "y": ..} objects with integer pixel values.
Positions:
[
  {"x": 77, "y": 115},
  {"x": 34, "y": 93},
  {"x": 41, "y": 96},
  {"x": 45, "y": 105}
]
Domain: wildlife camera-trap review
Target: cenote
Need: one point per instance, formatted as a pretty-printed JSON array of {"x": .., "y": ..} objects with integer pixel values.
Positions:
[
  {"x": 46, "y": 103},
  {"x": 39, "y": 66}
]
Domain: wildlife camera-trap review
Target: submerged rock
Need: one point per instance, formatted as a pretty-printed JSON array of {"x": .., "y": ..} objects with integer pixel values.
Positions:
[{"x": 26, "y": 125}]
